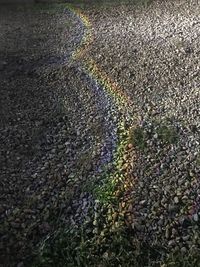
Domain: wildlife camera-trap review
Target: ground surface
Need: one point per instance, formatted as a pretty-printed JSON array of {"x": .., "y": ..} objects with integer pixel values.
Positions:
[
  {"x": 153, "y": 54},
  {"x": 59, "y": 127},
  {"x": 42, "y": 139}
]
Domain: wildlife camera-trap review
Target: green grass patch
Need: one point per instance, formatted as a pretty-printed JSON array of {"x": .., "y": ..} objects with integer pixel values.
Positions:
[
  {"x": 80, "y": 247},
  {"x": 190, "y": 258},
  {"x": 104, "y": 193},
  {"x": 50, "y": 8},
  {"x": 43, "y": 8},
  {"x": 105, "y": 3},
  {"x": 66, "y": 247},
  {"x": 167, "y": 134},
  {"x": 198, "y": 159},
  {"x": 138, "y": 138}
]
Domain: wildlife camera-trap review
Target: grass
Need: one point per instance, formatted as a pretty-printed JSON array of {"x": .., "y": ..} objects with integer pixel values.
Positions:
[
  {"x": 198, "y": 159},
  {"x": 66, "y": 247},
  {"x": 104, "y": 193},
  {"x": 76, "y": 247},
  {"x": 167, "y": 134},
  {"x": 138, "y": 138},
  {"x": 105, "y": 3},
  {"x": 188, "y": 259},
  {"x": 81, "y": 247},
  {"x": 50, "y": 8}
]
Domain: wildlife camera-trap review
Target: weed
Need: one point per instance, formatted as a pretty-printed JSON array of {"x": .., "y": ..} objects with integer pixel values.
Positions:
[
  {"x": 111, "y": 3},
  {"x": 74, "y": 247},
  {"x": 104, "y": 193},
  {"x": 188, "y": 259},
  {"x": 50, "y": 8},
  {"x": 138, "y": 138},
  {"x": 167, "y": 134},
  {"x": 80, "y": 246},
  {"x": 198, "y": 159},
  {"x": 66, "y": 247}
]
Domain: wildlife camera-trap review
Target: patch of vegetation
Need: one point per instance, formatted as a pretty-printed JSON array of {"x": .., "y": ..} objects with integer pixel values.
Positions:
[
  {"x": 50, "y": 8},
  {"x": 80, "y": 247},
  {"x": 103, "y": 187},
  {"x": 66, "y": 247},
  {"x": 138, "y": 138},
  {"x": 167, "y": 134},
  {"x": 84, "y": 162},
  {"x": 104, "y": 193},
  {"x": 198, "y": 159},
  {"x": 105, "y": 3},
  {"x": 189, "y": 259}
]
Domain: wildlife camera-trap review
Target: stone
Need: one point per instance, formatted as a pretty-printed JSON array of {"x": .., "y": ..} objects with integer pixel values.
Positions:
[
  {"x": 183, "y": 250},
  {"x": 171, "y": 243},
  {"x": 130, "y": 146},
  {"x": 195, "y": 217},
  {"x": 176, "y": 200},
  {"x": 167, "y": 233}
]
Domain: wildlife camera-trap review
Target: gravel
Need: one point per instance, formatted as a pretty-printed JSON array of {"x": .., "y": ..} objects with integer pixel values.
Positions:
[
  {"x": 152, "y": 53},
  {"x": 59, "y": 127},
  {"x": 47, "y": 150}
]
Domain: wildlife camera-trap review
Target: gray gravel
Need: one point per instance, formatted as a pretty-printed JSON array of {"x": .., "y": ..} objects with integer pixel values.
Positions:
[
  {"x": 153, "y": 54},
  {"x": 47, "y": 150}
]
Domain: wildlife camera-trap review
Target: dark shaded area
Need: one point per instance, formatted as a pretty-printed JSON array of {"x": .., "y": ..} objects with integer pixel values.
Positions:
[{"x": 34, "y": 126}]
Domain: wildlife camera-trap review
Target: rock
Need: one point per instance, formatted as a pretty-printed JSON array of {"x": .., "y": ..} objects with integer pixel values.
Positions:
[
  {"x": 2, "y": 65},
  {"x": 123, "y": 204},
  {"x": 95, "y": 222},
  {"x": 142, "y": 202},
  {"x": 186, "y": 238},
  {"x": 167, "y": 233},
  {"x": 114, "y": 216},
  {"x": 44, "y": 228},
  {"x": 15, "y": 225},
  {"x": 183, "y": 250},
  {"x": 2, "y": 210},
  {"x": 130, "y": 146},
  {"x": 174, "y": 232},
  {"x": 173, "y": 208},
  {"x": 171, "y": 243},
  {"x": 176, "y": 200},
  {"x": 195, "y": 217},
  {"x": 185, "y": 222}
]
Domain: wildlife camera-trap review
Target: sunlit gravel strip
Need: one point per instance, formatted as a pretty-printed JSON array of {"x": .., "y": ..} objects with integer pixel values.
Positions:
[{"x": 120, "y": 177}]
